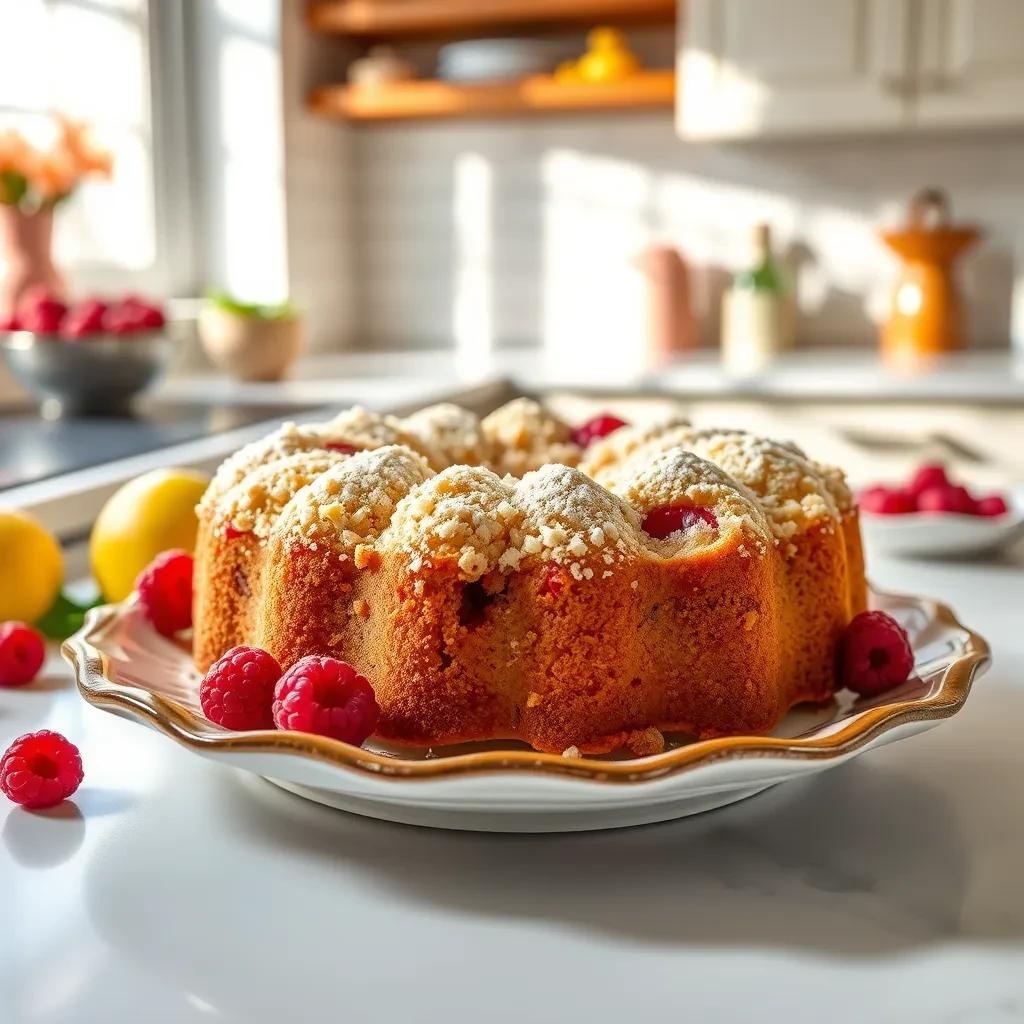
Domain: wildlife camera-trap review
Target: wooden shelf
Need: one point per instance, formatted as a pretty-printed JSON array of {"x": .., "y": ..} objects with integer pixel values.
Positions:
[
  {"x": 534, "y": 95},
  {"x": 426, "y": 17}
]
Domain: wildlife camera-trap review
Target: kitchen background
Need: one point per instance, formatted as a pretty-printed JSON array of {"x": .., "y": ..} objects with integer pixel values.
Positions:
[{"x": 529, "y": 231}]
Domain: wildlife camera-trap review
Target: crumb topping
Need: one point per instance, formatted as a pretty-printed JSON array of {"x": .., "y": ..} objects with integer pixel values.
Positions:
[
  {"x": 524, "y": 436},
  {"x": 838, "y": 487},
  {"x": 622, "y": 443},
  {"x": 255, "y": 504},
  {"x": 448, "y": 435},
  {"x": 362, "y": 428},
  {"x": 792, "y": 492},
  {"x": 680, "y": 477},
  {"x": 354, "y": 501},
  {"x": 464, "y": 514},
  {"x": 385, "y": 496},
  {"x": 288, "y": 439},
  {"x": 646, "y": 742},
  {"x": 356, "y": 427},
  {"x": 574, "y": 520}
]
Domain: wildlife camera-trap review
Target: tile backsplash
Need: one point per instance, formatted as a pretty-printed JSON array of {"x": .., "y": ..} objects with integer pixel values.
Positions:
[{"x": 523, "y": 232}]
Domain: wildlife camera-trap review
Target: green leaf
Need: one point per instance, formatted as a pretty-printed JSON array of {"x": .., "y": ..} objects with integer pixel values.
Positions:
[
  {"x": 257, "y": 311},
  {"x": 65, "y": 617},
  {"x": 13, "y": 187}
]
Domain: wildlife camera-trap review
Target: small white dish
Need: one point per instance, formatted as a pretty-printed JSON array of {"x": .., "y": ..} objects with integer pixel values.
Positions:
[
  {"x": 124, "y": 666},
  {"x": 491, "y": 60},
  {"x": 944, "y": 534}
]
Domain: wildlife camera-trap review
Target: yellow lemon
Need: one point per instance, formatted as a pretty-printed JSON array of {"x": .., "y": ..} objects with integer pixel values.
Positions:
[
  {"x": 149, "y": 514},
  {"x": 31, "y": 568}
]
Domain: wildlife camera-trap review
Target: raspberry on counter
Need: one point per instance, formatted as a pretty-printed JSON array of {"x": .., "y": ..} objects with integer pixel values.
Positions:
[
  {"x": 40, "y": 769},
  {"x": 22, "y": 653}
]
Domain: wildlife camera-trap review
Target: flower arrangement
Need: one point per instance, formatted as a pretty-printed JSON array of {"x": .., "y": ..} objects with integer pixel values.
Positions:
[{"x": 33, "y": 179}]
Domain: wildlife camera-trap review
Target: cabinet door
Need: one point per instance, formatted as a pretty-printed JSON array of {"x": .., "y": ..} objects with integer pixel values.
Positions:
[
  {"x": 751, "y": 67},
  {"x": 971, "y": 63}
]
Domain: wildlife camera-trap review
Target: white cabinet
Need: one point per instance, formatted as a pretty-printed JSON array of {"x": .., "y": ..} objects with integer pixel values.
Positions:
[
  {"x": 971, "y": 63},
  {"x": 748, "y": 67},
  {"x": 751, "y": 68}
]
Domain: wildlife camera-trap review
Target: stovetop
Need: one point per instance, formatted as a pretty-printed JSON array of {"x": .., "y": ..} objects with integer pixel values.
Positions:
[{"x": 33, "y": 449}]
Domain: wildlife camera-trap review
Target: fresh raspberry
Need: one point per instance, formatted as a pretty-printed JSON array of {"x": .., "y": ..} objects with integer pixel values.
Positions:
[
  {"x": 887, "y": 501},
  {"x": 991, "y": 505},
  {"x": 165, "y": 591},
  {"x": 118, "y": 320},
  {"x": 338, "y": 446},
  {"x": 596, "y": 428},
  {"x": 133, "y": 313},
  {"x": 874, "y": 654},
  {"x": 238, "y": 691},
  {"x": 40, "y": 310},
  {"x": 327, "y": 697},
  {"x": 665, "y": 520},
  {"x": 948, "y": 498},
  {"x": 554, "y": 581},
  {"x": 83, "y": 320},
  {"x": 930, "y": 475},
  {"x": 22, "y": 653},
  {"x": 151, "y": 318},
  {"x": 40, "y": 769}
]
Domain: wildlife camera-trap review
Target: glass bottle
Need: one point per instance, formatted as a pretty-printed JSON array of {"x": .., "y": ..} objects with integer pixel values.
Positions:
[{"x": 755, "y": 313}]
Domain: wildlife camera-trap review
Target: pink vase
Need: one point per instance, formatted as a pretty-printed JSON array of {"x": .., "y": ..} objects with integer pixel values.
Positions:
[{"x": 25, "y": 255}]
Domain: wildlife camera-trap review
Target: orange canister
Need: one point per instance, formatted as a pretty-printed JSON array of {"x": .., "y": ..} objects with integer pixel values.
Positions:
[{"x": 926, "y": 316}]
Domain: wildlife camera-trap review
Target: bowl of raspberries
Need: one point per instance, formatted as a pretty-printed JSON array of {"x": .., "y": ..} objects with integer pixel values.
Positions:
[
  {"x": 933, "y": 514},
  {"x": 87, "y": 357}
]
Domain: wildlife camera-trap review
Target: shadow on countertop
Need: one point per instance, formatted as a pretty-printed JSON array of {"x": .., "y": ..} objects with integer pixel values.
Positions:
[{"x": 892, "y": 855}]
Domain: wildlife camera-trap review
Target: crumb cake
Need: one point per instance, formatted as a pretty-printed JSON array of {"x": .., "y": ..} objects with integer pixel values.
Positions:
[{"x": 494, "y": 580}]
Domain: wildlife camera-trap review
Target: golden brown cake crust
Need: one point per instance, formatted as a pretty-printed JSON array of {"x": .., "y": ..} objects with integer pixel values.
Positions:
[{"x": 534, "y": 605}]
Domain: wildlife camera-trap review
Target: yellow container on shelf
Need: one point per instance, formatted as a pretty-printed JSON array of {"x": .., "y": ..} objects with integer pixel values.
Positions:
[{"x": 608, "y": 59}]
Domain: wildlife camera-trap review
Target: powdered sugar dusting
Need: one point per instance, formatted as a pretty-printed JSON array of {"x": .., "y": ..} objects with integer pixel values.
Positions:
[
  {"x": 354, "y": 501},
  {"x": 448, "y": 435},
  {"x": 575, "y": 519},
  {"x": 286, "y": 440},
  {"x": 524, "y": 436},
  {"x": 792, "y": 492},
  {"x": 680, "y": 477},
  {"x": 362, "y": 428},
  {"x": 621, "y": 444},
  {"x": 385, "y": 496},
  {"x": 838, "y": 487},
  {"x": 464, "y": 514},
  {"x": 254, "y": 504}
]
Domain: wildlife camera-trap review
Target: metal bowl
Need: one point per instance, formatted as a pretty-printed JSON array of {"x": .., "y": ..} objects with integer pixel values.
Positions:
[{"x": 95, "y": 375}]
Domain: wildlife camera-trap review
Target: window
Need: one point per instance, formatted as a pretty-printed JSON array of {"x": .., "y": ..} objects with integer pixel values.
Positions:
[{"x": 96, "y": 60}]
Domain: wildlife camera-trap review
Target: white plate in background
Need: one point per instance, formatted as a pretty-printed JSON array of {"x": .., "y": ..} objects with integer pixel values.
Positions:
[{"x": 945, "y": 534}]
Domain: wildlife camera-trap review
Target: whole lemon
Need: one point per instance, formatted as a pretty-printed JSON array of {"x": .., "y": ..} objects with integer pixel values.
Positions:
[
  {"x": 149, "y": 514},
  {"x": 31, "y": 568}
]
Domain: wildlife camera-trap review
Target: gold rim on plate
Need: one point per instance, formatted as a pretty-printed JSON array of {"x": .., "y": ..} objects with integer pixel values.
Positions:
[{"x": 98, "y": 686}]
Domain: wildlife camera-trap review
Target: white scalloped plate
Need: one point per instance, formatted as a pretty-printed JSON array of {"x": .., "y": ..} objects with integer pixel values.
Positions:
[{"x": 123, "y": 666}]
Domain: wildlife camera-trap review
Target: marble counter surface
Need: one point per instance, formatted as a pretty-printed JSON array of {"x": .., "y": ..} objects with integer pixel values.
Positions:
[{"x": 172, "y": 890}]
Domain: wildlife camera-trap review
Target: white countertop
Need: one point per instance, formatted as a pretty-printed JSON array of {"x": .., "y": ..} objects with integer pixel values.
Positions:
[
  {"x": 826, "y": 374},
  {"x": 173, "y": 890}
]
